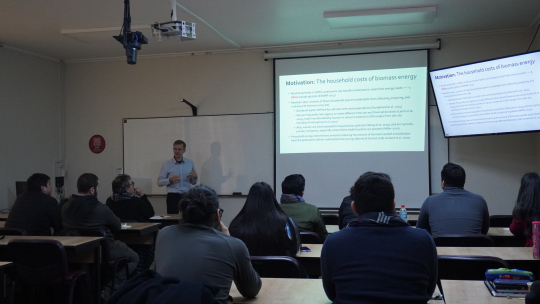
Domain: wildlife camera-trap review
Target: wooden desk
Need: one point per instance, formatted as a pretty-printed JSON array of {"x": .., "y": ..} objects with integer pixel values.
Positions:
[
  {"x": 79, "y": 249},
  {"x": 505, "y": 253},
  {"x": 461, "y": 292},
  {"x": 138, "y": 233},
  {"x": 166, "y": 219},
  {"x": 504, "y": 238},
  {"x": 332, "y": 228},
  {"x": 291, "y": 291},
  {"x": 285, "y": 291},
  {"x": 517, "y": 257},
  {"x": 3, "y": 216},
  {"x": 499, "y": 231}
]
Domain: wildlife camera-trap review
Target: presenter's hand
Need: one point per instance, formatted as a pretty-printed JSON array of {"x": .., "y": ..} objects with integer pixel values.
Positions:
[
  {"x": 192, "y": 174},
  {"x": 223, "y": 228},
  {"x": 174, "y": 179},
  {"x": 139, "y": 191}
]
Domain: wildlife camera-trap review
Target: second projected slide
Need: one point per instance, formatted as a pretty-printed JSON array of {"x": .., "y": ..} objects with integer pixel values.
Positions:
[{"x": 360, "y": 111}]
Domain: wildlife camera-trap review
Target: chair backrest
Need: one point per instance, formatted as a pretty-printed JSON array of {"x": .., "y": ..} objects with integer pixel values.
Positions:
[
  {"x": 500, "y": 220},
  {"x": 308, "y": 237},
  {"x": 105, "y": 247},
  {"x": 38, "y": 262},
  {"x": 276, "y": 267},
  {"x": 463, "y": 240},
  {"x": 124, "y": 220},
  {"x": 12, "y": 231},
  {"x": 412, "y": 222},
  {"x": 330, "y": 219},
  {"x": 467, "y": 267}
]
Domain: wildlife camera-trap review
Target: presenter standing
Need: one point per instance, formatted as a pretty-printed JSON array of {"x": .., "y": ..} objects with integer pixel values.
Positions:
[{"x": 178, "y": 174}]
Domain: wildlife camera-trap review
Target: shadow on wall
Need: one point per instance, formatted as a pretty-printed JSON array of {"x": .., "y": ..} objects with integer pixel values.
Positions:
[{"x": 212, "y": 171}]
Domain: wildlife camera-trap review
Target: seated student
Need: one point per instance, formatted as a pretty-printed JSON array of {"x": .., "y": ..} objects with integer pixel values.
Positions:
[
  {"x": 456, "y": 210},
  {"x": 128, "y": 202},
  {"x": 306, "y": 216},
  {"x": 83, "y": 211},
  {"x": 345, "y": 213},
  {"x": 527, "y": 207},
  {"x": 263, "y": 226},
  {"x": 201, "y": 249},
  {"x": 379, "y": 258},
  {"x": 35, "y": 211}
]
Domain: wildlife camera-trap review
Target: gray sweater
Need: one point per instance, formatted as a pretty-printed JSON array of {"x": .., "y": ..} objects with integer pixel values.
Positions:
[
  {"x": 455, "y": 211},
  {"x": 202, "y": 254}
]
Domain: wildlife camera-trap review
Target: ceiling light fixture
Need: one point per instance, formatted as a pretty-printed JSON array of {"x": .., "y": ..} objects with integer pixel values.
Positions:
[
  {"x": 356, "y": 50},
  {"x": 380, "y": 17}
]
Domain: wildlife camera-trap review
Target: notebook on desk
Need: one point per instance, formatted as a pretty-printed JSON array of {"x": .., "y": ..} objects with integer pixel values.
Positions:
[{"x": 506, "y": 294}]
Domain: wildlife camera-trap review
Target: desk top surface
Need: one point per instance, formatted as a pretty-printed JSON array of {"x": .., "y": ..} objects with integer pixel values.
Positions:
[
  {"x": 332, "y": 228},
  {"x": 165, "y": 217},
  {"x": 505, "y": 253},
  {"x": 493, "y": 231},
  {"x": 77, "y": 243},
  {"x": 285, "y": 291},
  {"x": 500, "y": 231},
  {"x": 142, "y": 228},
  {"x": 293, "y": 291},
  {"x": 473, "y": 292}
]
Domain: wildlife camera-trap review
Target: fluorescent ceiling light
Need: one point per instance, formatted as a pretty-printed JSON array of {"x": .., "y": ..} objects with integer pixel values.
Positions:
[{"x": 380, "y": 17}]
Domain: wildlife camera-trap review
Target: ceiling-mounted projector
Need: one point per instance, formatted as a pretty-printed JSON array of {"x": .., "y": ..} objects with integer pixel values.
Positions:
[{"x": 174, "y": 28}]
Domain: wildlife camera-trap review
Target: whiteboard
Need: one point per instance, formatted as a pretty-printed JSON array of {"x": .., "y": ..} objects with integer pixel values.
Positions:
[{"x": 230, "y": 152}]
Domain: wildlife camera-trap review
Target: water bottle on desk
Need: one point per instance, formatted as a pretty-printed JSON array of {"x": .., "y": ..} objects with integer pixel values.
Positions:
[
  {"x": 536, "y": 239},
  {"x": 403, "y": 213}
]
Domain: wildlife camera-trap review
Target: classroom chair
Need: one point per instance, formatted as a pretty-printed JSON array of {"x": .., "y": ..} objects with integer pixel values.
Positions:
[
  {"x": 412, "y": 222},
  {"x": 330, "y": 219},
  {"x": 463, "y": 240},
  {"x": 277, "y": 267},
  {"x": 49, "y": 268},
  {"x": 500, "y": 221},
  {"x": 474, "y": 268},
  {"x": 308, "y": 237},
  {"x": 12, "y": 231},
  {"x": 111, "y": 266}
]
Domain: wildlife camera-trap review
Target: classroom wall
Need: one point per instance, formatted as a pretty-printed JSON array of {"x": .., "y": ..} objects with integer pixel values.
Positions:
[
  {"x": 30, "y": 119},
  {"x": 98, "y": 95}
]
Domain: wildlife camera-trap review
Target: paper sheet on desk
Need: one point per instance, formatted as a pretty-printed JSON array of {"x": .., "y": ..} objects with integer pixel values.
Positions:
[{"x": 157, "y": 217}]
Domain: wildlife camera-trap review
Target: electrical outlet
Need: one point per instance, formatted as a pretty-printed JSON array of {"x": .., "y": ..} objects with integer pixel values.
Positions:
[{"x": 119, "y": 170}]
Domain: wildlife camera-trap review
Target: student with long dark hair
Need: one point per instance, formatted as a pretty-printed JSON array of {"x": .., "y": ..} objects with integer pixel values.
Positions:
[
  {"x": 527, "y": 207},
  {"x": 263, "y": 226},
  {"x": 200, "y": 249}
]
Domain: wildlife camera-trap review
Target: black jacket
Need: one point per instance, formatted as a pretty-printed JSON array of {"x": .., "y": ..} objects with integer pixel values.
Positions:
[
  {"x": 139, "y": 209},
  {"x": 149, "y": 287},
  {"x": 35, "y": 212}
]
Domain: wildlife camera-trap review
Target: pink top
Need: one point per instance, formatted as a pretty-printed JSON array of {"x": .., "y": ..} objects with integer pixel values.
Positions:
[{"x": 518, "y": 228}]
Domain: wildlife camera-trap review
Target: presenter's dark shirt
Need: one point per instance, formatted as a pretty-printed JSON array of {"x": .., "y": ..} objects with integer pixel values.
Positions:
[
  {"x": 454, "y": 211},
  {"x": 381, "y": 264},
  {"x": 36, "y": 213}
]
